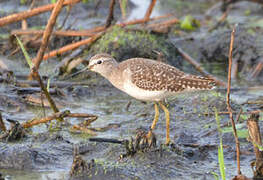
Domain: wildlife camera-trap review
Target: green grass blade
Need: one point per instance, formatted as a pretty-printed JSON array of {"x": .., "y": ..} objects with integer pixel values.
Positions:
[
  {"x": 220, "y": 148},
  {"x": 216, "y": 176},
  {"x": 221, "y": 160},
  {"x": 28, "y": 59},
  {"x": 48, "y": 84}
]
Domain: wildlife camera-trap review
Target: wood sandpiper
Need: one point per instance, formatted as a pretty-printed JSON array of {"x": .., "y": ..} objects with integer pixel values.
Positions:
[{"x": 148, "y": 80}]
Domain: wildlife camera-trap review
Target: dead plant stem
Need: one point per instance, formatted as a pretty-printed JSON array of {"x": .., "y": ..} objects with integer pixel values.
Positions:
[{"x": 228, "y": 100}]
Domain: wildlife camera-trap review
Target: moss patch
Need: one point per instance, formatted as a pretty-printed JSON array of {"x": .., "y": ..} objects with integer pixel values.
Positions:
[{"x": 123, "y": 44}]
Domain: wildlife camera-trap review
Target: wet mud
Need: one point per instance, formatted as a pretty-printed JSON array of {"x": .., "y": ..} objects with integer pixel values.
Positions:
[{"x": 56, "y": 151}]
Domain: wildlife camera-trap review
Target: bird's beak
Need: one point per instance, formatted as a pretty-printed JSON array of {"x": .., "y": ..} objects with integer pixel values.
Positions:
[
  {"x": 82, "y": 70},
  {"x": 89, "y": 67}
]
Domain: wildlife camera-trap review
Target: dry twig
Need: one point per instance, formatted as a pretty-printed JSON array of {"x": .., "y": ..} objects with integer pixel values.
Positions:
[
  {"x": 149, "y": 10},
  {"x": 47, "y": 34},
  {"x": 26, "y": 14},
  {"x": 56, "y": 33},
  {"x": 72, "y": 46},
  {"x": 57, "y": 115},
  {"x": 257, "y": 70},
  {"x": 84, "y": 129},
  {"x": 111, "y": 14},
  {"x": 228, "y": 100},
  {"x": 40, "y": 54}
]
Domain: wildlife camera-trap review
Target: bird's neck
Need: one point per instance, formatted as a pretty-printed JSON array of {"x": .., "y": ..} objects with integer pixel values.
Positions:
[
  {"x": 107, "y": 73},
  {"x": 115, "y": 77}
]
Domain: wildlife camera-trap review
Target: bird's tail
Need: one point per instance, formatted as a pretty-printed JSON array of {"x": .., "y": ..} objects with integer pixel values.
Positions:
[{"x": 198, "y": 82}]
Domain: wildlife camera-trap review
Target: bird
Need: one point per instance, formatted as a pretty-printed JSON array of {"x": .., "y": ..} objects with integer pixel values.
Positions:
[{"x": 148, "y": 80}]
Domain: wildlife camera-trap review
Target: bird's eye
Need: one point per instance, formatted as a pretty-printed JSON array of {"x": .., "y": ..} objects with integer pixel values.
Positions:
[{"x": 99, "y": 62}]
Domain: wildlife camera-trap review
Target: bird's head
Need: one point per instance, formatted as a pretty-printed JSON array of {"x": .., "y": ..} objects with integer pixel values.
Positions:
[{"x": 102, "y": 64}]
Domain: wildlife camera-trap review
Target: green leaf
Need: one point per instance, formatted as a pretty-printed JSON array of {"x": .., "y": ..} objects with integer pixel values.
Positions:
[
  {"x": 53, "y": 1},
  {"x": 189, "y": 23},
  {"x": 28, "y": 59},
  {"x": 23, "y": 2},
  {"x": 247, "y": 12}
]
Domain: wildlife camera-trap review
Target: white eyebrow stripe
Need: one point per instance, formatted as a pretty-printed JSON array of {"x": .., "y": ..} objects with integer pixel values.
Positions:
[{"x": 94, "y": 62}]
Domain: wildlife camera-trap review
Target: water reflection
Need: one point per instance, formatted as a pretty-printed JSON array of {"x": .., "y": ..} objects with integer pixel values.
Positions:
[{"x": 141, "y": 8}]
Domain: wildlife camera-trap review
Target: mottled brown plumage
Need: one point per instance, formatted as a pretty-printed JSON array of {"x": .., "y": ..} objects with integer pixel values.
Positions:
[
  {"x": 152, "y": 75},
  {"x": 148, "y": 80}
]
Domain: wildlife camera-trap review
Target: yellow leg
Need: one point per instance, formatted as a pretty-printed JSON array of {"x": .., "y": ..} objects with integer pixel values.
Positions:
[
  {"x": 167, "y": 117},
  {"x": 156, "y": 117}
]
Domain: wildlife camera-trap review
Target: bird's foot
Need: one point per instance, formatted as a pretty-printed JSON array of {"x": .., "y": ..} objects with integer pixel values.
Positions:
[
  {"x": 144, "y": 140},
  {"x": 168, "y": 142}
]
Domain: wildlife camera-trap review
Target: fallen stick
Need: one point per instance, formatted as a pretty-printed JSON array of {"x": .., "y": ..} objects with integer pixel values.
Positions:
[
  {"x": 85, "y": 130},
  {"x": 46, "y": 119},
  {"x": 61, "y": 114},
  {"x": 26, "y": 14},
  {"x": 88, "y": 32},
  {"x": 164, "y": 23},
  {"x": 257, "y": 70},
  {"x": 56, "y": 33},
  {"x": 82, "y": 115},
  {"x": 59, "y": 84},
  {"x": 71, "y": 46},
  {"x": 107, "y": 140},
  {"x": 31, "y": 90}
]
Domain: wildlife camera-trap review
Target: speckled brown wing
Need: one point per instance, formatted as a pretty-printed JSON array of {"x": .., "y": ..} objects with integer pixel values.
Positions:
[{"x": 156, "y": 76}]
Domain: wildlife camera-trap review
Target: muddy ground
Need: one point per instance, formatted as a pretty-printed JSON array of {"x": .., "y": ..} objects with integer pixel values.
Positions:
[{"x": 47, "y": 151}]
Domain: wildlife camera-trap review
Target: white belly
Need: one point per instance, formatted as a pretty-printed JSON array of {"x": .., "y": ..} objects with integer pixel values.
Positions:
[
  {"x": 142, "y": 94},
  {"x": 128, "y": 87}
]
